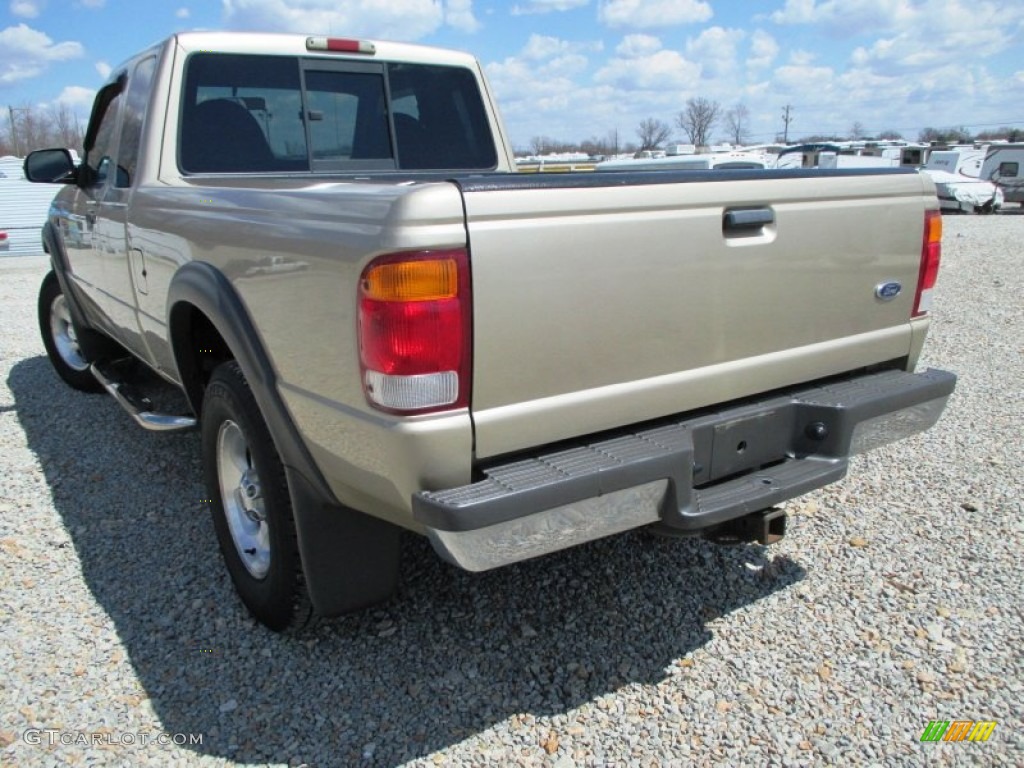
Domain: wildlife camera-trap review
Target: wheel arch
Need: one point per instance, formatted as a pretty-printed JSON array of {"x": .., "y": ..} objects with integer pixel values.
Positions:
[
  {"x": 204, "y": 308},
  {"x": 200, "y": 293}
]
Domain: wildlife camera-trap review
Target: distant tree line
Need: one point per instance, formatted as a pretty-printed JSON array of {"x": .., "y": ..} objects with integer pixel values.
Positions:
[
  {"x": 25, "y": 128},
  {"x": 702, "y": 116}
]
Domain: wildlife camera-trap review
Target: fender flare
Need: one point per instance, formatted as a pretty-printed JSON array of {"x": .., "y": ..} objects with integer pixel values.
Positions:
[
  {"x": 204, "y": 287},
  {"x": 54, "y": 246},
  {"x": 349, "y": 558}
]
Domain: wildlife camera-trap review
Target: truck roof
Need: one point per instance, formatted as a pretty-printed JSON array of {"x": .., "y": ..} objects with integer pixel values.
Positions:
[{"x": 296, "y": 45}]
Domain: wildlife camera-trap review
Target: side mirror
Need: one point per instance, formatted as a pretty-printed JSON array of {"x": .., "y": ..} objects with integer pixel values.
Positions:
[{"x": 50, "y": 166}]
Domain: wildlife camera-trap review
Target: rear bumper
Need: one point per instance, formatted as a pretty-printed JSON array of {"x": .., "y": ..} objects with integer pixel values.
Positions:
[{"x": 688, "y": 476}]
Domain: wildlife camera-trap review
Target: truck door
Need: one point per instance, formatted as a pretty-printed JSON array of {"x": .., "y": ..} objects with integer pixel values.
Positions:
[
  {"x": 124, "y": 274},
  {"x": 84, "y": 243}
]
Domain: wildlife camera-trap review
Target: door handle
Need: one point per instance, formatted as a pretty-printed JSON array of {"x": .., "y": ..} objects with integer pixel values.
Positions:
[{"x": 745, "y": 221}]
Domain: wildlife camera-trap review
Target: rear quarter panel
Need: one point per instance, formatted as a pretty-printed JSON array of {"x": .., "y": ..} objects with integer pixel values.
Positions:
[{"x": 295, "y": 253}]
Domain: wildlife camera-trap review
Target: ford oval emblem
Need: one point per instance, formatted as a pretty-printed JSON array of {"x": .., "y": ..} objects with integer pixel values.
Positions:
[{"x": 888, "y": 291}]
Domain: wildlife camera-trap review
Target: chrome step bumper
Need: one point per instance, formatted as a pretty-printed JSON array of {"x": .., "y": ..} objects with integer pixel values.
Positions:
[{"x": 688, "y": 476}]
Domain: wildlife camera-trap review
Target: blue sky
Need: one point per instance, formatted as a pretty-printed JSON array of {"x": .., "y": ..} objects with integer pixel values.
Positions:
[{"x": 576, "y": 69}]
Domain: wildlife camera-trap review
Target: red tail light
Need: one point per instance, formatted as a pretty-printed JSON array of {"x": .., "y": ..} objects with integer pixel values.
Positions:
[
  {"x": 415, "y": 331},
  {"x": 931, "y": 255}
]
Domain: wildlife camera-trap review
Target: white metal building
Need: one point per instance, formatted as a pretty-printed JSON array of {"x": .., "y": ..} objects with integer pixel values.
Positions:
[{"x": 23, "y": 208}]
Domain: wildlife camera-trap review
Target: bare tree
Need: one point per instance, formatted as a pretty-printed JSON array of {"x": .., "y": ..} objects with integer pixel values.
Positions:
[
  {"x": 698, "y": 119},
  {"x": 66, "y": 126},
  {"x": 951, "y": 135},
  {"x": 652, "y": 133},
  {"x": 736, "y": 119},
  {"x": 890, "y": 135},
  {"x": 29, "y": 127},
  {"x": 858, "y": 131},
  {"x": 613, "y": 141}
]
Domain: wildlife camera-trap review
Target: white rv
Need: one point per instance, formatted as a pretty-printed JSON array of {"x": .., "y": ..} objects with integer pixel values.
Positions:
[
  {"x": 703, "y": 162},
  {"x": 1004, "y": 167}
]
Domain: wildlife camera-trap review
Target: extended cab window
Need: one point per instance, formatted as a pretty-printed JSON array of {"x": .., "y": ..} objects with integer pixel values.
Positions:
[
  {"x": 252, "y": 113},
  {"x": 131, "y": 125},
  {"x": 99, "y": 151}
]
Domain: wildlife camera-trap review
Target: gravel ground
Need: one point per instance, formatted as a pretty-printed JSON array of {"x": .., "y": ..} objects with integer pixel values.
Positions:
[{"x": 894, "y": 600}]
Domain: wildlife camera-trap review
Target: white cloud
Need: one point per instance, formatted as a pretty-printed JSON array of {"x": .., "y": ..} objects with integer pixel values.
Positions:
[
  {"x": 27, "y": 9},
  {"x": 459, "y": 14},
  {"x": 93, "y": 3},
  {"x": 540, "y": 47},
  {"x": 394, "y": 20},
  {"x": 715, "y": 49},
  {"x": 763, "y": 50},
  {"x": 541, "y": 90},
  {"x": 633, "y": 46},
  {"x": 182, "y": 13},
  {"x": 76, "y": 97},
  {"x": 801, "y": 58},
  {"x": 664, "y": 70},
  {"x": 547, "y": 6},
  {"x": 545, "y": 65},
  {"x": 26, "y": 52},
  {"x": 652, "y": 13},
  {"x": 104, "y": 69},
  {"x": 937, "y": 33},
  {"x": 848, "y": 17},
  {"x": 800, "y": 77}
]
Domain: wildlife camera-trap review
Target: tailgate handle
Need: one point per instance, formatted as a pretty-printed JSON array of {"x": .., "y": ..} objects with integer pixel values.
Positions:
[{"x": 745, "y": 220}]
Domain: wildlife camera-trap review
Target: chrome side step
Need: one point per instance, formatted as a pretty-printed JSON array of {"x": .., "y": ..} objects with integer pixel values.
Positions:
[{"x": 139, "y": 406}]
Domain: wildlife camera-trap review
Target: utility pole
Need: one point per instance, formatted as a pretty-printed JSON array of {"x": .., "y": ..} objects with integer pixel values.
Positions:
[
  {"x": 14, "y": 135},
  {"x": 786, "y": 119}
]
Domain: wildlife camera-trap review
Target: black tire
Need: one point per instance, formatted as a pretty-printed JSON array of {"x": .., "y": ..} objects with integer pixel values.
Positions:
[
  {"x": 252, "y": 513},
  {"x": 60, "y": 337}
]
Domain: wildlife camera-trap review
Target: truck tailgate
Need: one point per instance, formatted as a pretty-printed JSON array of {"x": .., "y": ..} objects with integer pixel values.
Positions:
[{"x": 602, "y": 300}]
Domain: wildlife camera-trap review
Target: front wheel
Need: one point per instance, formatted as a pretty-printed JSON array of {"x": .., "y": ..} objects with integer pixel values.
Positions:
[
  {"x": 252, "y": 511},
  {"x": 61, "y": 338}
]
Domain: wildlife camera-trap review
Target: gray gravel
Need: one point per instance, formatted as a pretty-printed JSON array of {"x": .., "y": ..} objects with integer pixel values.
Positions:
[{"x": 895, "y": 600}]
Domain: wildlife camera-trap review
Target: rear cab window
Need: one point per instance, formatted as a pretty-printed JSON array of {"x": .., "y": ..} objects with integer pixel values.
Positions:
[{"x": 244, "y": 113}]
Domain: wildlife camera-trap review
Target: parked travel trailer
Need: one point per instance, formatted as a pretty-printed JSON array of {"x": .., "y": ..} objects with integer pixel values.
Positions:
[
  {"x": 964, "y": 160},
  {"x": 1004, "y": 167}
]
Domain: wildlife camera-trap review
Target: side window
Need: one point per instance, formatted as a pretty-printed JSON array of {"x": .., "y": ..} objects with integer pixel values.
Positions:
[
  {"x": 99, "y": 157},
  {"x": 1008, "y": 170},
  {"x": 131, "y": 125}
]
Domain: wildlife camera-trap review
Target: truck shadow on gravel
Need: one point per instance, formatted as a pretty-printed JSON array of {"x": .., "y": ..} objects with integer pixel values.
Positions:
[{"x": 453, "y": 654}]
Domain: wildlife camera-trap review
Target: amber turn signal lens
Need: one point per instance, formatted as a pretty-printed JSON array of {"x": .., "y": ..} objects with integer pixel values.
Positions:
[
  {"x": 934, "y": 229},
  {"x": 426, "y": 280}
]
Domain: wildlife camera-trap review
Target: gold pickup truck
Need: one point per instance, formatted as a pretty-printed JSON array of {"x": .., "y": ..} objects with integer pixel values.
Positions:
[{"x": 378, "y": 325}]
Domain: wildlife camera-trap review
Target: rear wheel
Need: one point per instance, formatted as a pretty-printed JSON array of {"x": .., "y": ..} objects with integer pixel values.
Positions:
[
  {"x": 60, "y": 337},
  {"x": 252, "y": 511}
]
